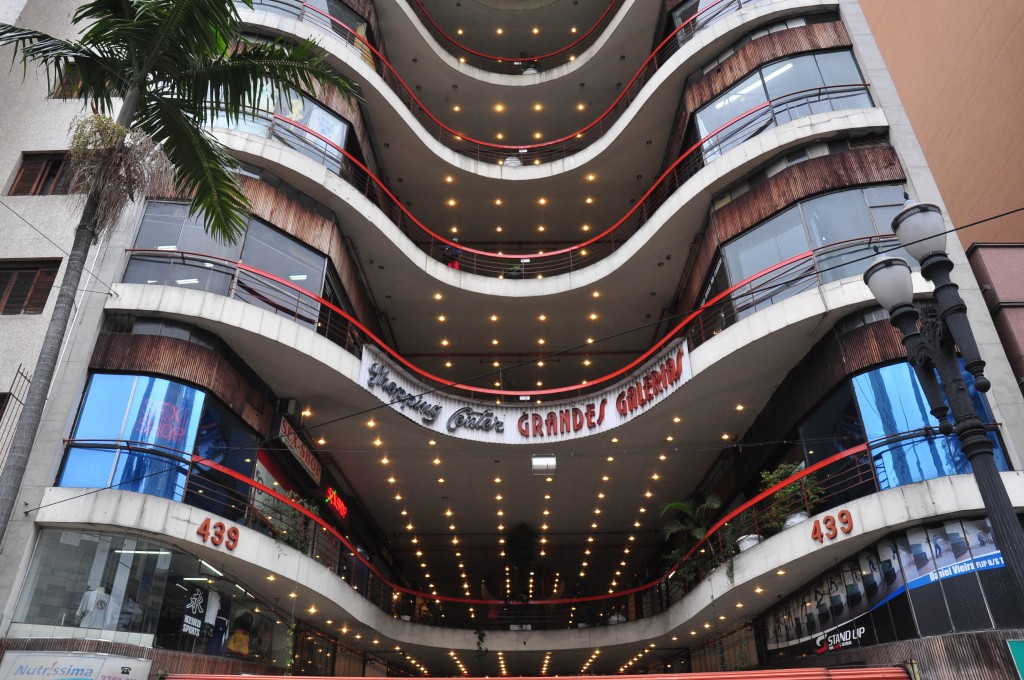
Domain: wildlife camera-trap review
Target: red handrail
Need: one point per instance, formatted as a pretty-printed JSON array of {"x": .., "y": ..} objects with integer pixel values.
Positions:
[
  {"x": 206, "y": 463},
  {"x": 672, "y": 41},
  {"x": 394, "y": 354},
  {"x": 638, "y": 205}
]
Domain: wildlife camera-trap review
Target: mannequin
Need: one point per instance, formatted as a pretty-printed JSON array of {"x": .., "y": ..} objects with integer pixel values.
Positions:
[{"x": 92, "y": 610}]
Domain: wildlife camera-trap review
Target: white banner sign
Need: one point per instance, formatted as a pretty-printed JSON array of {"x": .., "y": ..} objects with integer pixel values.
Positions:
[
  {"x": 17, "y": 665},
  {"x": 528, "y": 423}
]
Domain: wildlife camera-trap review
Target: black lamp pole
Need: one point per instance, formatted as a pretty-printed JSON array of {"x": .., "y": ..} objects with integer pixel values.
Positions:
[{"x": 931, "y": 345}]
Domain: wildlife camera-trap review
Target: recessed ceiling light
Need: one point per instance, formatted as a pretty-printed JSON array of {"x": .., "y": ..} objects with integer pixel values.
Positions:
[
  {"x": 497, "y": 201},
  {"x": 449, "y": 179},
  {"x": 538, "y": 107},
  {"x": 589, "y": 200},
  {"x": 444, "y": 342},
  {"x": 500, "y": 135},
  {"x": 540, "y": 227},
  {"x": 498, "y": 228},
  {"x": 540, "y": 341},
  {"x": 593, "y": 316},
  {"x": 725, "y": 436},
  {"x": 536, "y": 30},
  {"x": 499, "y": 30},
  {"x": 451, "y": 201},
  {"x": 580, "y": 106},
  {"x": 739, "y": 407},
  {"x": 459, "y": 31},
  {"x": 456, "y": 108},
  {"x": 591, "y": 177},
  {"x": 447, "y": 364},
  {"x": 494, "y": 341},
  {"x": 437, "y": 296},
  {"x": 586, "y": 362},
  {"x": 537, "y": 135},
  {"x": 442, "y": 318}
]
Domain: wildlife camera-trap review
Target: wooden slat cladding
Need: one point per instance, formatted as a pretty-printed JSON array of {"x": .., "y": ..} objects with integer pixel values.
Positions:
[
  {"x": 768, "y": 48},
  {"x": 175, "y": 358},
  {"x": 814, "y": 176},
  {"x": 873, "y": 165}
]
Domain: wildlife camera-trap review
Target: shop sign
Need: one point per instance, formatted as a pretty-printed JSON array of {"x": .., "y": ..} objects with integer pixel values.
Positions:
[
  {"x": 60, "y": 665},
  {"x": 293, "y": 442},
  {"x": 195, "y": 610},
  {"x": 849, "y": 635},
  {"x": 510, "y": 424}
]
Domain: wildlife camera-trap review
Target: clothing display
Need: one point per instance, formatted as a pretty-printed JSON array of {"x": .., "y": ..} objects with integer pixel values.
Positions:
[{"x": 92, "y": 610}]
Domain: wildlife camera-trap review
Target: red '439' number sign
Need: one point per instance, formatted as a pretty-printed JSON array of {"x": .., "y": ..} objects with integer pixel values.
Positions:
[
  {"x": 829, "y": 527},
  {"x": 217, "y": 533}
]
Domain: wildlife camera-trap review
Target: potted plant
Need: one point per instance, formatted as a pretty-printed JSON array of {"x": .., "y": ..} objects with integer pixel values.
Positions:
[
  {"x": 791, "y": 504},
  {"x": 691, "y": 521}
]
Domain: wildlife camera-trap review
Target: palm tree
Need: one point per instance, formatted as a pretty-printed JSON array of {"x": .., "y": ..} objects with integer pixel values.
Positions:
[{"x": 174, "y": 64}]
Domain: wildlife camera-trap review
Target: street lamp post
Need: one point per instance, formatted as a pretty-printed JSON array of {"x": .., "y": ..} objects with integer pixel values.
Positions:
[{"x": 931, "y": 346}]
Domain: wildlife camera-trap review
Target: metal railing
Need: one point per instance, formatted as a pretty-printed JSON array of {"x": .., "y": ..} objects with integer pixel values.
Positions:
[
  {"x": 836, "y": 480},
  {"x": 237, "y": 280},
  {"x": 489, "y": 152},
  {"x": 522, "y": 265}
]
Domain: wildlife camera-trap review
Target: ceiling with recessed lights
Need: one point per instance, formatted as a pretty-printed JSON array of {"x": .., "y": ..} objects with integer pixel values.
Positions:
[{"x": 447, "y": 505}]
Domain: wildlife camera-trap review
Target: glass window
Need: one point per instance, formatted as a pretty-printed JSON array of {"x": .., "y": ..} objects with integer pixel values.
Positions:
[
  {"x": 891, "y": 401},
  {"x": 738, "y": 100},
  {"x": 141, "y": 429},
  {"x": 835, "y": 217},
  {"x": 792, "y": 77},
  {"x": 274, "y": 252},
  {"x": 103, "y": 582},
  {"x": 167, "y": 226},
  {"x": 224, "y": 439},
  {"x": 774, "y": 241}
]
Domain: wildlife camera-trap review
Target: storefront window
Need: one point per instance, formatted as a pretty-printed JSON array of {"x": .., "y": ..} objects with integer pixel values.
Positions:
[
  {"x": 926, "y": 580},
  {"x": 106, "y": 582},
  {"x": 127, "y": 584}
]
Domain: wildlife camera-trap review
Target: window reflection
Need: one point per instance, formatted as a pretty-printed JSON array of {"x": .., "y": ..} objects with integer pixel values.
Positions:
[
  {"x": 825, "y": 220},
  {"x": 891, "y": 401},
  {"x": 796, "y": 87}
]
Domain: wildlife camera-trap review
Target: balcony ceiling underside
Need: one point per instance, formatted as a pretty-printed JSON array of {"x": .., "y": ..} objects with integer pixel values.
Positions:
[{"x": 705, "y": 408}]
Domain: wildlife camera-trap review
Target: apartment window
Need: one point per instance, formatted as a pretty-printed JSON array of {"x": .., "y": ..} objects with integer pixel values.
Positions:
[
  {"x": 24, "y": 286},
  {"x": 41, "y": 174},
  {"x": 69, "y": 83}
]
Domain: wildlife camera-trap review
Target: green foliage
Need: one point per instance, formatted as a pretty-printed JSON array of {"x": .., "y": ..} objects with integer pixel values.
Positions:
[
  {"x": 176, "y": 64},
  {"x": 790, "y": 499},
  {"x": 691, "y": 523}
]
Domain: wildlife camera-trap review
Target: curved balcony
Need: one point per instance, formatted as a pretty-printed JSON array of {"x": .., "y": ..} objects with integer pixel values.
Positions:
[
  {"x": 523, "y": 265},
  {"x": 237, "y": 280},
  {"x": 514, "y": 155},
  {"x": 682, "y": 596}
]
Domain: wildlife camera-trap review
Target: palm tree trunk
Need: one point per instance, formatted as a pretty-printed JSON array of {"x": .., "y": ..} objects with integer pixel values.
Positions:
[
  {"x": 32, "y": 412},
  {"x": 35, "y": 401}
]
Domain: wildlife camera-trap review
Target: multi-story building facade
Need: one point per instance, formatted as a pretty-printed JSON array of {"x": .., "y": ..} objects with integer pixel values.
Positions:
[{"x": 553, "y": 270}]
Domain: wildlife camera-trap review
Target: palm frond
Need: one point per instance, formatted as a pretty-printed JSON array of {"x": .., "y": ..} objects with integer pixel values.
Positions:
[
  {"x": 99, "y": 79},
  {"x": 202, "y": 167},
  {"x": 236, "y": 84}
]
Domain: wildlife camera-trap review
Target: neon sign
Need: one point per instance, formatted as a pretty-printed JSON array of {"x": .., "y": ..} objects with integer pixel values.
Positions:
[{"x": 334, "y": 500}]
